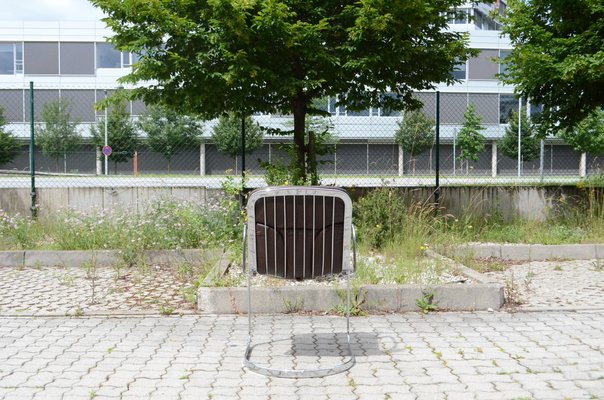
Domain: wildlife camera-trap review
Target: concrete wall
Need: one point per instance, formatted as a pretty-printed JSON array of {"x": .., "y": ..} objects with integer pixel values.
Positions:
[{"x": 526, "y": 202}]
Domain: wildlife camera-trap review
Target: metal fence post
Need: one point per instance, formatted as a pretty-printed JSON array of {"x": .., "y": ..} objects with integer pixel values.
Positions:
[
  {"x": 32, "y": 151},
  {"x": 519, "y": 135},
  {"x": 437, "y": 167}
]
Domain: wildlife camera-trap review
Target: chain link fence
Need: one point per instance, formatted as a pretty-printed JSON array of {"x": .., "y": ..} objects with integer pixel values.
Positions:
[{"x": 157, "y": 148}]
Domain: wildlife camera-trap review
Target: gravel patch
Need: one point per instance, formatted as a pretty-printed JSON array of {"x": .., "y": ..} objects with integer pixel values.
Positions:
[{"x": 554, "y": 284}]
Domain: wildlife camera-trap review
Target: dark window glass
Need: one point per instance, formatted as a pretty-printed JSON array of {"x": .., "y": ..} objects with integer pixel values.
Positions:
[
  {"x": 459, "y": 70},
  {"x": 107, "y": 56},
  {"x": 503, "y": 54},
  {"x": 388, "y": 112},
  {"x": 508, "y": 103},
  {"x": 361, "y": 113},
  {"x": 321, "y": 104},
  {"x": 7, "y": 59},
  {"x": 536, "y": 109},
  {"x": 332, "y": 105}
]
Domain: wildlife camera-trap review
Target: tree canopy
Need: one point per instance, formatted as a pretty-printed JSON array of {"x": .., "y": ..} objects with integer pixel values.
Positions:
[
  {"x": 588, "y": 135},
  {"x": 415, "y": 133},
  {"x": 121, "y": 134},
  {"x": 212, "y": 57},
  {"x": 59, "y": 135},
  {"x": 558, "y": 57},
  {"x": 9, "y": 146},
  {"x": 469, "y": 138},
  {"x": 170, "y": 132},
  {"x": 227, "y": 135},
  {"x": 529, "y": 141}
]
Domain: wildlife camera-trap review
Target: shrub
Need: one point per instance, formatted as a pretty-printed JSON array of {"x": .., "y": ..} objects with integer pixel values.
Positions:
[{"x": 380, "y": 216}]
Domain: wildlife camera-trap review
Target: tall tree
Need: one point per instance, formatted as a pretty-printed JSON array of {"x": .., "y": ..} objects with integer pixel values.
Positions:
[
  {"x": 169, "y": 132},
  {"x": 121, "y": 134},
  {"x": 415, "y": 133},
  {"x": 469, "y": 138},
  {"x": 211, "y": 57},
  {"x": 226, "y": 135},
  {"x": 588, "y": 135},
  {"x": 9, "y": 145},
  {"x": 529, "y": 140},
  {"x": 558, "y": 57},
  {"x": 59, "y": 134}
]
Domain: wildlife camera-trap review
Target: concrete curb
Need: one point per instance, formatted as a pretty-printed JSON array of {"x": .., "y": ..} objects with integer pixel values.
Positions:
[
  {"x": 526, "y": 252},
  {"x": 380, "y": 298},
  {"x": 77, "y": 258}
]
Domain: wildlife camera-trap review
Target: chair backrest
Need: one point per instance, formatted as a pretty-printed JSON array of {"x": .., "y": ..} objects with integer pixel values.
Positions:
[{"x": 299, "y": 232}]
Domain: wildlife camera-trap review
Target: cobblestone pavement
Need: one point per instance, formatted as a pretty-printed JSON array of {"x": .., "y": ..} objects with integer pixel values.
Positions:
[
  {"x": 558, "y": 284},
  {"x": 72, "y": 290},
  {"x": 544, "y": 355}
]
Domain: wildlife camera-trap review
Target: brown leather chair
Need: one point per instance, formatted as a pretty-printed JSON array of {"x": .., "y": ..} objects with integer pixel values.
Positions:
[{"x": 299, "y": 233}]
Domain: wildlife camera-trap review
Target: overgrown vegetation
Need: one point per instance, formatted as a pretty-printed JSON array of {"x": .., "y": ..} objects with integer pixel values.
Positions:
[
  {"x": 164, "y": 224},
  {"x": 395, "y": 232}
]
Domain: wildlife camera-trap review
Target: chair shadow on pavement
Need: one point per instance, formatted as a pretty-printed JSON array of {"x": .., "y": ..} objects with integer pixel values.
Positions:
[{"x": 329, "y": 345}]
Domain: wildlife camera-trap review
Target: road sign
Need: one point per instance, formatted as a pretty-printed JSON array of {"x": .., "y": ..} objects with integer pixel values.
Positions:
[{"x": 107, "y": 150}]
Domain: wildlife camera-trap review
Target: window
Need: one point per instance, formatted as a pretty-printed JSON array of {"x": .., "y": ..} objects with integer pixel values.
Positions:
[
  {"x": 536, "y": 109},
  {"x": 387, "y": 111},
  {"x": 484, "y": 22},
  {"x": 107, "y": 56},
  {"x": 128, "y": 59},
  {"x": 503, "y": 54},
  {"x": 360, "y": 113},
  {"x": 458, "y": 16},
  {"x": 332, "y": 105},
  {"x": 11, "y": 58},
  {"x": 459, "y": 70},
  {"x": 508, "y": 103}
]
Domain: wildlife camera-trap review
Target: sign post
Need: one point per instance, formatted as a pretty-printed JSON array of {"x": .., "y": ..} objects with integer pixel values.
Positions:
[{"x": 106, "y": 128}]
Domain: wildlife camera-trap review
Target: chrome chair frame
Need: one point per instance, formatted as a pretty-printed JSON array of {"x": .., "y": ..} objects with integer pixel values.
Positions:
[{"x": 249, "y": 250}]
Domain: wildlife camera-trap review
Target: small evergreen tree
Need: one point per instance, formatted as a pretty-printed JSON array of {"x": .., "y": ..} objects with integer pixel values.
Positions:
[
  {"x": 470, "y": 139},
  {"x": 59, "y": 135},
  {"x": 9, "y": 145},
  {"x": 227, "y": 135},
  {"x": 588, "y": 136},
  {"x": 529, "y": 142},
  {"x": 121, "y": 134},
  {"x": 169, "y": 132},
  {"x": 415, "y": 134}
]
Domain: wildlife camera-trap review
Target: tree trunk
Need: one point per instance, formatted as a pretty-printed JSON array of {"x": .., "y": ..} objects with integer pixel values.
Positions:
[
  {"x": 299, "y": 163},
  {"x": 169, "y": 165},
  {"x": 65, "y": 163}
]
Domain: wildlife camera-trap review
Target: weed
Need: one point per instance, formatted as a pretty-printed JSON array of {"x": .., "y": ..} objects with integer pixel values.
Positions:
[
  {"x": 189, "y": 293},
  {"x": 478, "y": 349},
  {"x": 426, "y": 302},
  {"x": 460, "y": 352},
  {"x": 78, "y": 312},
  {"x": 598, "y": 265},
  {"x": 90, "y": 266},
  {"x": 511, "y": 290},
  {"x": 352, "y": 383},
  {"x": 92, "y": 394},
  {"x": 292, "y": 306},
  {"x": 357, "y": 299},
  {"x": 110, "y": 349},
  {"x": 558, "y": 268},
  {"x": 528, "y": 279},
  {"x": 67, "y": 279},
  {"x": 166, "y": 310}
]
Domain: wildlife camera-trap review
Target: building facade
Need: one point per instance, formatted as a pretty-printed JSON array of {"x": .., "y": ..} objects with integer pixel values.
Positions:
[{"x": 73, "y": 61}]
